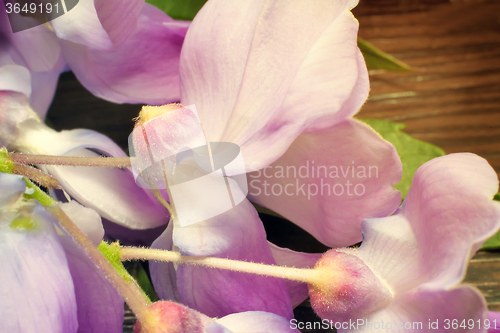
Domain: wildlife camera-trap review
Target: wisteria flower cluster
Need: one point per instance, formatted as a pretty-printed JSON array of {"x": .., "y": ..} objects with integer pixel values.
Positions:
[{"x": 262, "y": 96}]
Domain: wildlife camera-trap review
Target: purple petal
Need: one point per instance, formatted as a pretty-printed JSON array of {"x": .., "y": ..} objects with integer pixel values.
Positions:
[
  {"x": 14, "y": 110},
  {"x": 118, "y": 18},
  {"x": 98, "y": 24},
  {"x": 99, "y": 307},
  {"x": 494, "y": 318},
  {"x": 143, "y": 69},
  {"x": 36, "y": 48},
  {"x": 256, "y": 322},
  {"x": 235, "y": 234},
  {"x": 354, "y": 171},
  {"x": 86, "y": 219},
  {"x": 12, "y": 189},
  {"x": 163, "y": 274},
  {"x": 428, "y": 311},
  {"x": 44, "y": 86},
  {"x": 285, "y": 257},
  {"x": 282, "y": 53},
  {"x": 446, "y": 216},
  {"x": 82, "y": 25},
  {"x": 36, "y": 286},
  {"x": 112, "y": 192},
  {"x": 30, "y": 63},
  {"x": 15, "y": 78}
]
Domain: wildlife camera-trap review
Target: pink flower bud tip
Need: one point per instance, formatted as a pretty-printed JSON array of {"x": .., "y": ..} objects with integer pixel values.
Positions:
[
  {"x": 169, "y": 317},
  {"x": 346, "y": 288}
]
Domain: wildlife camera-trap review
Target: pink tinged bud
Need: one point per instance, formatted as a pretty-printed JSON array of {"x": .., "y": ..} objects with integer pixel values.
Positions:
[
  {"x": 169, "y": 317},
  {"x": 160, "y": 133},
  {"x": 347, "y": 287}
]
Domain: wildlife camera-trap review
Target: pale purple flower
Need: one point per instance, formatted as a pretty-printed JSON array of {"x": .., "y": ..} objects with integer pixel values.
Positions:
[
  {"x": 112, "y": 192},
  {"x": 280, "y": 79},
  {"x": 125, "y": 53},
  {"x": 122, "y": 52},
  {"x": 410, "y": 265},
  {"x": 47, "y": 283}
]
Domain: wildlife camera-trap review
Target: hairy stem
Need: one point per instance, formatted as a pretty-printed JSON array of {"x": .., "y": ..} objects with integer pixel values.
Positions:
[
  {"x": 108, "y": 162},
  {"x": 36, "y": 175},
  {"x": 307, "y": 275},
  {"x": 130, "y": 292}
]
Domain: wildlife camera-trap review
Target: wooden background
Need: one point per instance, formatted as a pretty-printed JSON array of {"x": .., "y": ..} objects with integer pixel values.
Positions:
[{"x": 451, "y": 98}]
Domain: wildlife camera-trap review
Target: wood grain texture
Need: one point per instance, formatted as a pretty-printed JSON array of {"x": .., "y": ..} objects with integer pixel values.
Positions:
[{"x": 452, "y": 97}]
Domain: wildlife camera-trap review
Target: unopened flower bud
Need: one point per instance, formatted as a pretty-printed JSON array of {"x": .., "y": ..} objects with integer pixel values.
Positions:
[
  {"x": 169, "y": 317},
  {"x": 347, "y": 289},
  {"x": 160, "y": 133}
]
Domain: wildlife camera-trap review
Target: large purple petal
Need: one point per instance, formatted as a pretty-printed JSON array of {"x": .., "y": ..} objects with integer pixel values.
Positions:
[
  {"x": 446, "y": 216},
  {"x": 292, "y": 65},
  {"x": 143, "y": 69},
  {"x": 99, "y": 307},
  {"x": 328, "y": 181},
  {"x": 36, "y": 287},
  {"x": 235, "y": 234}
]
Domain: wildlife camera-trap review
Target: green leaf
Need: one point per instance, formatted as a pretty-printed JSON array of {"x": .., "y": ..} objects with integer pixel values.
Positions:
[
  {"x": 377, "y": 59},
  {"x": 138, "y": 272},
  {"x": 413, "y": 152},
  {"x": 184, "y": 10},
  {"x": 494, "y": 242}
]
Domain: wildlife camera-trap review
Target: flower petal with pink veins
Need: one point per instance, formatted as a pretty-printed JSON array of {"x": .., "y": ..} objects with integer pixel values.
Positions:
[
  {"x": 291, "y": 65},
  {"x": 328, "y": 181}
]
